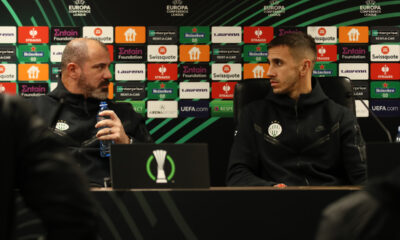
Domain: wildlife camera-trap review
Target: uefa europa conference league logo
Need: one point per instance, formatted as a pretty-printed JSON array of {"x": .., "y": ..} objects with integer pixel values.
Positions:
[{"x": 160, "y": 156}]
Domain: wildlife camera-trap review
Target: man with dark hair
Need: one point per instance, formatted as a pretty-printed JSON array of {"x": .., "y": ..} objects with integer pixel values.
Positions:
[
  {"x": 49, "y": 180},
  {"x": 72, "y": 107},
  {"x": 296, "y": 135}
]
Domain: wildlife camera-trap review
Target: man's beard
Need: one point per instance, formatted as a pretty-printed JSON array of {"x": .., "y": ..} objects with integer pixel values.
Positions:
[{"x": 97, "y": 93}]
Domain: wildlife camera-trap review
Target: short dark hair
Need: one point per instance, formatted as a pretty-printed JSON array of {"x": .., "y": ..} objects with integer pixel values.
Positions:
[
  {"x": 298, "y": 42},
  {"x": 77, "y": 51}
]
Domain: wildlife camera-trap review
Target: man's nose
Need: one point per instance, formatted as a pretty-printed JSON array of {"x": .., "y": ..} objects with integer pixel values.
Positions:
[
  {"x": 270, "y": 72},
  {"x": 107, "y": 74}
]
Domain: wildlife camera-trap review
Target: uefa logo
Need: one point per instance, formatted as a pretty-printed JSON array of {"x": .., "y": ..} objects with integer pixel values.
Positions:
[{"x": 164, "y": 163}]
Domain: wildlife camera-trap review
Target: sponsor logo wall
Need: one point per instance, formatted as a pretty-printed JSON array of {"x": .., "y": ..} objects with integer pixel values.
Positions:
[{"x": 191, "y": 71}]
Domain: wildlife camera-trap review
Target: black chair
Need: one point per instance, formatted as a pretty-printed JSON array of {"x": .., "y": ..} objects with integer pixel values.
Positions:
[{"x": 338, "y": 89}]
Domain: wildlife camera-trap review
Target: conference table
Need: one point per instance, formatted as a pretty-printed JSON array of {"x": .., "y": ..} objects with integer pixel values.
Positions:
[{"x": 207, "y": 213}]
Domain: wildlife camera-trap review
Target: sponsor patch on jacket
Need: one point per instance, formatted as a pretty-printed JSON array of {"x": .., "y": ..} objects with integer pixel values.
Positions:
[{"x": 274, "y": 129}]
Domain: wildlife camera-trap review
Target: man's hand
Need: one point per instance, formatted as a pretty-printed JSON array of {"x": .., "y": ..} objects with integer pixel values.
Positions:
[{"x": 111, "y": 128}]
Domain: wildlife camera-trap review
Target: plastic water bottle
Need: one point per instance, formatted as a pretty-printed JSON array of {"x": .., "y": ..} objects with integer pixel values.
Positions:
[
  {"x": 105, "y": 145},
  {"x": 398, "y": 135}
]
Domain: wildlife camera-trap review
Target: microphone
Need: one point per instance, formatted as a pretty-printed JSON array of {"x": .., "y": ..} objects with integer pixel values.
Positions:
[{"x": 377, "y": 120}]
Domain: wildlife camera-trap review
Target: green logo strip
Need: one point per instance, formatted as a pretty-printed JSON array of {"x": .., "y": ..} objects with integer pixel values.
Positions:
[{"x": 152, "y": 177}]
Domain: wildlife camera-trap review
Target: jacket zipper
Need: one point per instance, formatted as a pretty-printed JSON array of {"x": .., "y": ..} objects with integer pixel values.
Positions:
[
  {"x": 297, "y": 118},
  {"x": 297, "y": 132}
]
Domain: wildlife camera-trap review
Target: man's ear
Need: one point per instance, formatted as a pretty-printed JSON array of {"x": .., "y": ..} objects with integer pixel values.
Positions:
[
  {"x": 305, "y": 67},
  {"x": 74, "y": 70}
]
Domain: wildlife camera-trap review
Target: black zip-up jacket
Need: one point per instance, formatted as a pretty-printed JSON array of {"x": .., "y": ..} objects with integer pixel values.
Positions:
[
  {"x": 73, "y": 118},
  {"x": 312, "y": 141},
  {"x": 50, "y": 183}
]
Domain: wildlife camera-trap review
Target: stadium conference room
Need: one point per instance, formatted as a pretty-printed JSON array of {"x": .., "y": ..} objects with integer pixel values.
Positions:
[{"x": 188, "y": 69}]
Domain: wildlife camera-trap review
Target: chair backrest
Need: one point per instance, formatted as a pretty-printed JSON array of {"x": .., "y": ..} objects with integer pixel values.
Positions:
[{"x": 338, "y": 89}]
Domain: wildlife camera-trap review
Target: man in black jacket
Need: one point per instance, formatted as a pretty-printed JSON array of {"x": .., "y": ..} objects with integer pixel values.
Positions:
[
  {"x": 296, "y": 135},
  {"x": 372, "y": 213},
  {"x": 49, "y": 180},
  {"x": 72, "y": 107}
]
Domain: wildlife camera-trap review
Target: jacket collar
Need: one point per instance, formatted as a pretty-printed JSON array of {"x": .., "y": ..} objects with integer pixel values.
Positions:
[
  {"x": 315, "y": 96},
  {"x": 60, "y": 92}
]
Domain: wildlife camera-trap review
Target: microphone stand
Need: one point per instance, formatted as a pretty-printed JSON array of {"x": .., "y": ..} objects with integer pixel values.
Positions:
[{"x": 377, "y": 120}]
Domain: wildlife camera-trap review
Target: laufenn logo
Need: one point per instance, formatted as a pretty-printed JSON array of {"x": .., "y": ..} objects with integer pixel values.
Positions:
[{"x": 226, "y": 34}]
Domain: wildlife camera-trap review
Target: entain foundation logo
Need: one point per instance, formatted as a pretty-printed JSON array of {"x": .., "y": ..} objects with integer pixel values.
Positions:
[
  {"x": 79, "y": 8},
  {"x": 370, "y": 8},
  {"x": 177, "y": 8}
]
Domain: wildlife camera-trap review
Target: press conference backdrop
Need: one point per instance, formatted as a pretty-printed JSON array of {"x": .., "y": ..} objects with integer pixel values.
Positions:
[{"x": 177, "y": 61}]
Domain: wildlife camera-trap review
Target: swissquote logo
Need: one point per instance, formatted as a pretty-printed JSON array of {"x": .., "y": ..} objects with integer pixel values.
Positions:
[
  {"x": 226, "y": 71},
  {"x": 164, "y": 162},
  {"x": 323, "y": 34},
  {"x": 103, "y": 34},
  {"x": 162, "y": 53},
  {"x": 385, "y": 53},
  {"x": 8, "y": 72}
]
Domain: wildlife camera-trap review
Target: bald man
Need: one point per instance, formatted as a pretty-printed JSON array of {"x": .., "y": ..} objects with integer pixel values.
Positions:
[
  {"x": 71, "y": 109},
  {"x": 296, "y": 135}
]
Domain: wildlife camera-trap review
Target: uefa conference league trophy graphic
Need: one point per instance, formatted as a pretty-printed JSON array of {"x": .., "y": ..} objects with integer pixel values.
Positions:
[{"x": 160, "y": 158}]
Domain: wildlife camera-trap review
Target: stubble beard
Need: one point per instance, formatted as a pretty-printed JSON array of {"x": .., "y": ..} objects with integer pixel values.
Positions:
[{"x": 97, "y": 93}]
